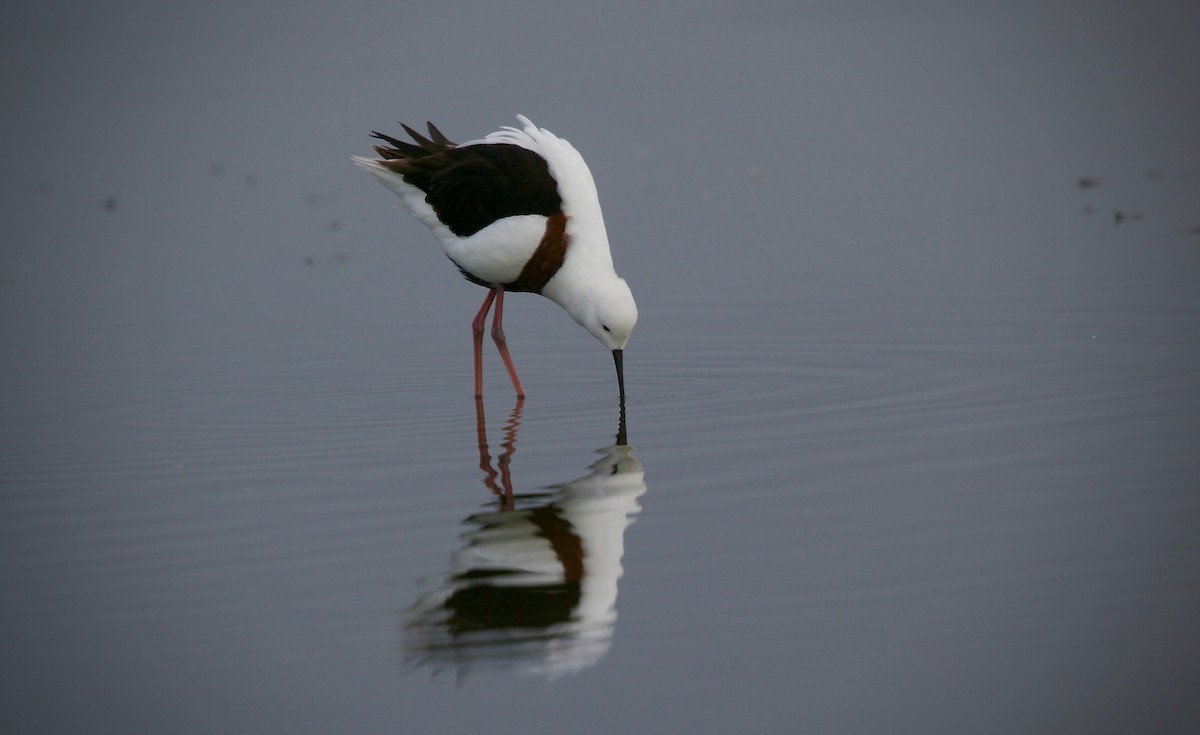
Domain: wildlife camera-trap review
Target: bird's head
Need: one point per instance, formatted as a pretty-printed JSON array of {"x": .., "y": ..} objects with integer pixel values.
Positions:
[
  {"x": 604, "y": 307},
  {"x": 608, "y": 312}
]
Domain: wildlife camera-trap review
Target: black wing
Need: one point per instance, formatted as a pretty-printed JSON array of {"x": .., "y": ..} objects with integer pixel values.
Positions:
[{"x": 472, "y": 186}]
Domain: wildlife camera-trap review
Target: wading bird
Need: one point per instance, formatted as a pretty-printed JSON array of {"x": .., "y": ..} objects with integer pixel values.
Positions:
[{"x": 516, "y": 210}]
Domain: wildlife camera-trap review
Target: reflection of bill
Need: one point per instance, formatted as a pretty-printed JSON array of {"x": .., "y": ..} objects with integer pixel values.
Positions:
[{"x": 534, "y": 586}]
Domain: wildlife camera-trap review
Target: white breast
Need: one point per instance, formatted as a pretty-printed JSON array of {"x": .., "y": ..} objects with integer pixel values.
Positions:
[{"x": 498, "y": 252}]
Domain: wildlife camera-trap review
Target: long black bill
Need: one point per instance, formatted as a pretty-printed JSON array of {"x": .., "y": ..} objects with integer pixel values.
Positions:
[
  {"x": 619, "y": 361},
  {"x": 622, "y": 430}
]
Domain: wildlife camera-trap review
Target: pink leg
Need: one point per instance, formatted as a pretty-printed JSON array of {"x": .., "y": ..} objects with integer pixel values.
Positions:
[
  {"x": 502, "y": 345},
  {"x": 477, "y": 333}
]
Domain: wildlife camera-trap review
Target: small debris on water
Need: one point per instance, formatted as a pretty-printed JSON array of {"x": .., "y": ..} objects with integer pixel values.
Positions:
[{"x": 1119, "y": 217}]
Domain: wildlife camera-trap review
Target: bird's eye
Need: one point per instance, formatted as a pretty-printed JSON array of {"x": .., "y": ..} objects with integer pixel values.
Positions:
[{"x": 605, "y": 328}]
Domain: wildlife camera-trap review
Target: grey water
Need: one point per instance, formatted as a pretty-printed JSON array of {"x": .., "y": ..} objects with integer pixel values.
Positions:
[{"x": 910, "y": 441}]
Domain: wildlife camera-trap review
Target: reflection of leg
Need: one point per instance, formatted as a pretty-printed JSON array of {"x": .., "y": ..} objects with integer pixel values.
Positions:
[
  {"x": 502, "y": 345},
  {"x": 510, "y": 447},
  {"x": 485, "y": 458},
  {"x": 477, "y": 335},
  {"x": 504, "y": 489}
]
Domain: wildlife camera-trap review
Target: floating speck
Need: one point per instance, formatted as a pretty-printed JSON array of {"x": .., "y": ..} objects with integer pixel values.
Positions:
[
  {"x": 1087, "y": 182},
  {"x": 1120, "y": 216},
  {"x": 110, "y": 204}
]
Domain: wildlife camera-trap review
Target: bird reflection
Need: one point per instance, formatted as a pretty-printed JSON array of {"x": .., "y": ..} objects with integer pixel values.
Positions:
[{"x": 533, "y": 586}]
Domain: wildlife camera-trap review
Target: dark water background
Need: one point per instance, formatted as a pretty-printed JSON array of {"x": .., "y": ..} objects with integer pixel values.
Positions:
[{"x": 912, "y": 402}]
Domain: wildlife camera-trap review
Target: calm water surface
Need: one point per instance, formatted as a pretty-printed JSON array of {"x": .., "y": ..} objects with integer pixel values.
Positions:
[{"x": 910, "y": 437}]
